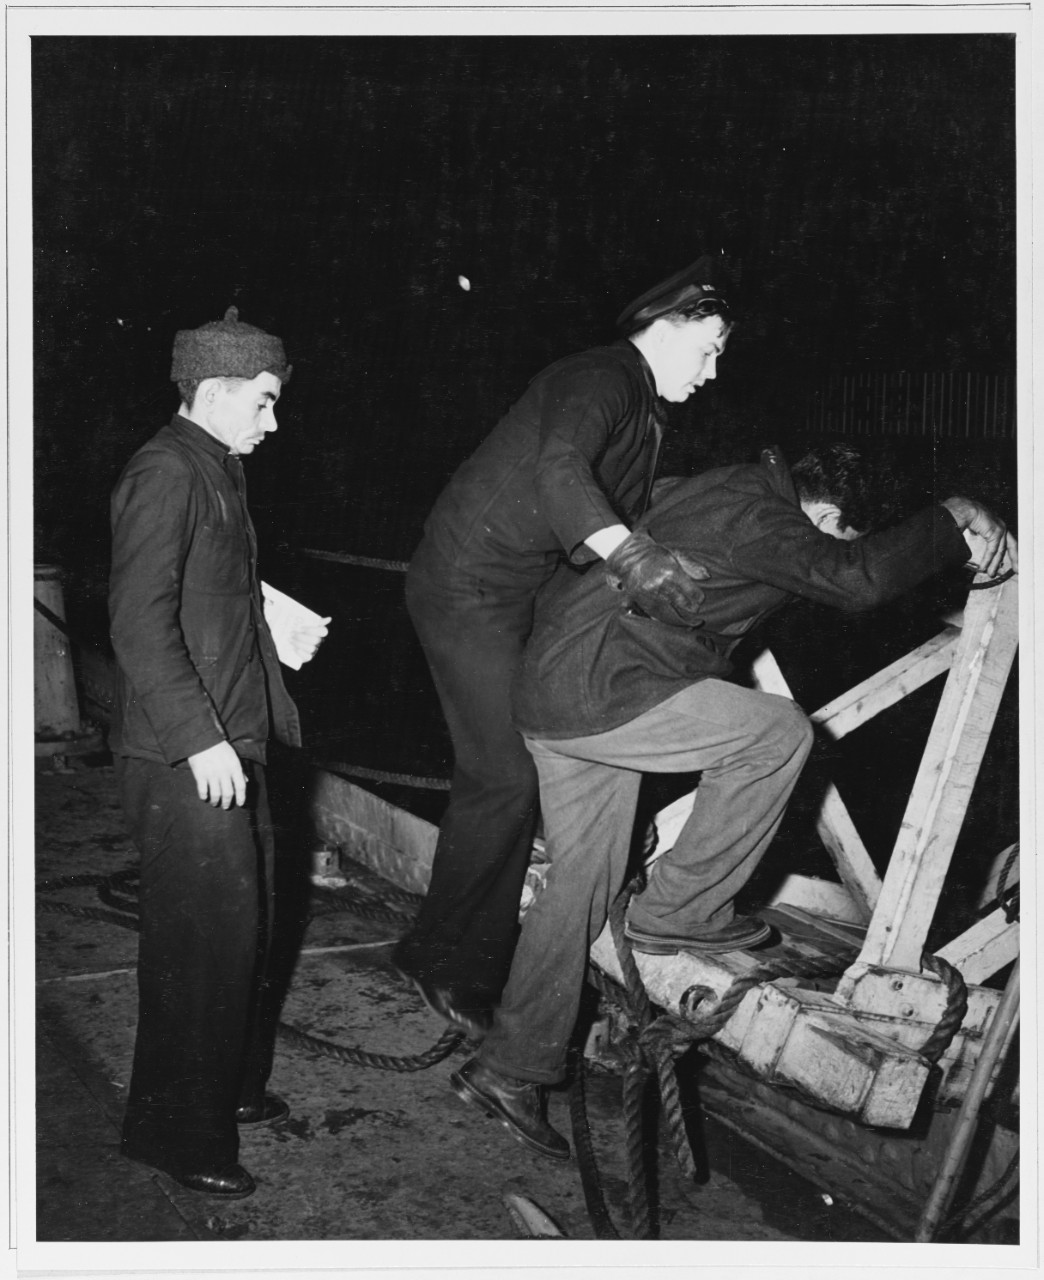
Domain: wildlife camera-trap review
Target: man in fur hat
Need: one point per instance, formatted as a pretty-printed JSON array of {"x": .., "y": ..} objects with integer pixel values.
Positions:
[{"x": 199, "y": 692}]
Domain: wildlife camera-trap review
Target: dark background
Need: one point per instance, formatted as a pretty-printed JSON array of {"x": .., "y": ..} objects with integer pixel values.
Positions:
[{"x": 859, "y": 189}]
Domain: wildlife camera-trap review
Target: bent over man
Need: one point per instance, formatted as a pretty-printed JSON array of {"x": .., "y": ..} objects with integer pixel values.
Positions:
[
  {"x": 199, "y": 692},
  {"x": 606, "y": 693},
  {"x": 563, "y": 476}
]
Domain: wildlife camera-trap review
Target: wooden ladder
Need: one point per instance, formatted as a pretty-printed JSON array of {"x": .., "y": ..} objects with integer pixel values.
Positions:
[{"x": 856, "y": 1049}]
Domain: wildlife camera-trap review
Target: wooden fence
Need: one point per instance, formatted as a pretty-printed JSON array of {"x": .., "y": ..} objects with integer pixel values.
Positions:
[{"x": 976, "y": 406}]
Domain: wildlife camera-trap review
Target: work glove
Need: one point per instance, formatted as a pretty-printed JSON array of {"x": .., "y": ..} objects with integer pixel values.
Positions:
[{"x": 657, "y": 581}]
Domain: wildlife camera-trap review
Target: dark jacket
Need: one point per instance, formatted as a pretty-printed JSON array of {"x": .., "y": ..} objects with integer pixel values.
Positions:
[
  {"x": 590, "y": 666},
  {"x": 574, "y": 454},
  {"x": 196, "y": 663}
]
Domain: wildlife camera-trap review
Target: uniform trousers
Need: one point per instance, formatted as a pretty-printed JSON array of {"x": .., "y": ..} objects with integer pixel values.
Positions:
[
  {"x": 465, "y": 932},
  {"x": 750, "y": 747},
  {"x": 205, "y": 1034}
]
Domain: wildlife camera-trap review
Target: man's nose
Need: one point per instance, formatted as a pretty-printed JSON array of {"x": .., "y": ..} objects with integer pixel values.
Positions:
[
  {"x": 710, "y": 369},
  {"x": 269, "y": 420}
]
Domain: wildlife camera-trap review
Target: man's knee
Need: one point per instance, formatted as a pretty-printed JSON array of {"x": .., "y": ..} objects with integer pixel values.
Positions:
[{"x": 791, "y": 731}]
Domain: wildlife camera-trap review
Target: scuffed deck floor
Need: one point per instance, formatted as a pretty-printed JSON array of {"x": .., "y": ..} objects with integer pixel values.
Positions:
[{"x": 366, "y": 1154}]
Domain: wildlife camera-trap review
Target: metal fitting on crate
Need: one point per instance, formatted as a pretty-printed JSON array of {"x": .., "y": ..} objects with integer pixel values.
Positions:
[{"x": 326, "y": 868}]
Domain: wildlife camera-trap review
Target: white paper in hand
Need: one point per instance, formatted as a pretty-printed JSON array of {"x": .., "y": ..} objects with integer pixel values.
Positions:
[{"x": 287, "y": 620}]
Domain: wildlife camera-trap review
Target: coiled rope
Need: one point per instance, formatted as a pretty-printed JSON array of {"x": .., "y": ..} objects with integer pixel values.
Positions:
[{"x": 119, "y": 889}]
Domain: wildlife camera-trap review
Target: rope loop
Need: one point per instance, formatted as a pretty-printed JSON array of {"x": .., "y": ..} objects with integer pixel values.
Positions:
[
  {"x": 356, "y": 1057},
  {"x": 954, "y": 1013},
  {"x": 990, "y": 583}
]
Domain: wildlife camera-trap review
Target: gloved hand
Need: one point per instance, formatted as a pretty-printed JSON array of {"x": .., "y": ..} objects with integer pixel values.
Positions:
[{"x": 660, "y": 582}]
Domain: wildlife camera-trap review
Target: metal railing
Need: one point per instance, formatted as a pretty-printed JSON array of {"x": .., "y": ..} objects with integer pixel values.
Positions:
[{"x": 972, "y": 406}]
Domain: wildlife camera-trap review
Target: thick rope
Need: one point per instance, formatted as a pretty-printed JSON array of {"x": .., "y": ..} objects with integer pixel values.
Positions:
[
  {"x": 954, "y": 1013},
  {"x": 657, "y": 1039},
  {"x": 357, "y": 1057},
  {"x": 998, "y": 1188},
  {"x": 650, "y": 1051},
  {"x": 1007, "y": 900},
  {"x": 590, "y": 1183},
  {"x": 330, "y": 903},
  {"x": 636, "y": 1077}
]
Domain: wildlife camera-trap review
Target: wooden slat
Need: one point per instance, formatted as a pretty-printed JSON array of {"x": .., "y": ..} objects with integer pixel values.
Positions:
[
  {"x": 889, "y": 686},
  {"x": 844, "y": 844},
  {"x": 807, "y": 924},
  {"x": 823, "y": 897},
  {"x": 933, "y": 818},
  {"x": 834, "y": 824},
  {"x": 984, "y": 949}
]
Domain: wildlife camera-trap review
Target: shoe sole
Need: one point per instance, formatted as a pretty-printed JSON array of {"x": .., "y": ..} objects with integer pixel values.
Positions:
[
  {"x": 196, "y": 1191},
  {"x": 256, "y": 1124},
  {"x": 693, "y": 945},
  {"x": 469, "y": 1094}
]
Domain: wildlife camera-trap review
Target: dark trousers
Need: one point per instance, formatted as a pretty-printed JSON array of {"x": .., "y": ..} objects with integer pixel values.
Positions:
[
  {"x": 465, "y": 933},
  {"x": 204, "y": 1041}
]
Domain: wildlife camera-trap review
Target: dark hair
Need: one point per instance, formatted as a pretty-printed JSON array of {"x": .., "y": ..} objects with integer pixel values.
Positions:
[
  {"x": 864, "y": 492},
  {"x": 711, "y": 304},
  {"x": 187, "y": 387}
]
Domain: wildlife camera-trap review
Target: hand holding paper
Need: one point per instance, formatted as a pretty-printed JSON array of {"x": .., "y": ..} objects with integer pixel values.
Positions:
[{"x": 297, "y": 631}]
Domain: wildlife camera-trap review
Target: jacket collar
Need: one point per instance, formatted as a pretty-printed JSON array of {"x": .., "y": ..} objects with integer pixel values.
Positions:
[
  {"x": 773, "y": 462},
  {"x": 197, "y": 439},
  {"x": 636, "y": 357}
]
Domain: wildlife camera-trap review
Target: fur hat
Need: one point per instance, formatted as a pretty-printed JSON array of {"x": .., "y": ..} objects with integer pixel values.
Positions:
[{"x": 227, "y": 348}]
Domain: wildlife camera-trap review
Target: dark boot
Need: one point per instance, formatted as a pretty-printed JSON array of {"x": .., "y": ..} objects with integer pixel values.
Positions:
[{"x": 517, "y": 1104}]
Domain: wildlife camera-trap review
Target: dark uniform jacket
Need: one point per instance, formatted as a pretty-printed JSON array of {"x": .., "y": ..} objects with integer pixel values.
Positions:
[
  {"x": 591, "y": 666},
  {"x": 196, "y": 663},
  {"x": 574, "y": 454}
]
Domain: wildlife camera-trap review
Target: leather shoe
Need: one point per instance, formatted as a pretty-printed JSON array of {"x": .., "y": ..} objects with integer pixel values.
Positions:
[
  {"x": 475, "y": 1023},
  {"x": 737, "y": 934},
  {"x": 517, "y": 1104},
  {"x": 231, "y": 1182},
  {"x": 270, "y": 1110}
]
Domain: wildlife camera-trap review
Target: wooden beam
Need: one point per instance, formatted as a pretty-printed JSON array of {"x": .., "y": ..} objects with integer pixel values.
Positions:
[
  {"x": 834, "y": 823},
  {"x": 890, "y": 685},
  {"x": 844, "y": 844},
  {"x": 822, "y": 897},
  {"x": 939, "y": 799},
  {"x": 984, "y": 949}
]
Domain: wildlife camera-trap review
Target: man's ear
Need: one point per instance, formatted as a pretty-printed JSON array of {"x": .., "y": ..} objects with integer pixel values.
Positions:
[
  {"x": 658, "y": 331},
  {"x": 827, "y": 518},
  {"x": 208, "y": 390}
]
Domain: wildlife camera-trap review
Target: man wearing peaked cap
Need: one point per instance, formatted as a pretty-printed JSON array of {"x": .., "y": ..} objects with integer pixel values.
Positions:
[
  {"x": 604, "y": 696},
  {"x": 199, "y": 693},
  {"x": 702, "y": 282},
  {"x": 562, "y": 478}
]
